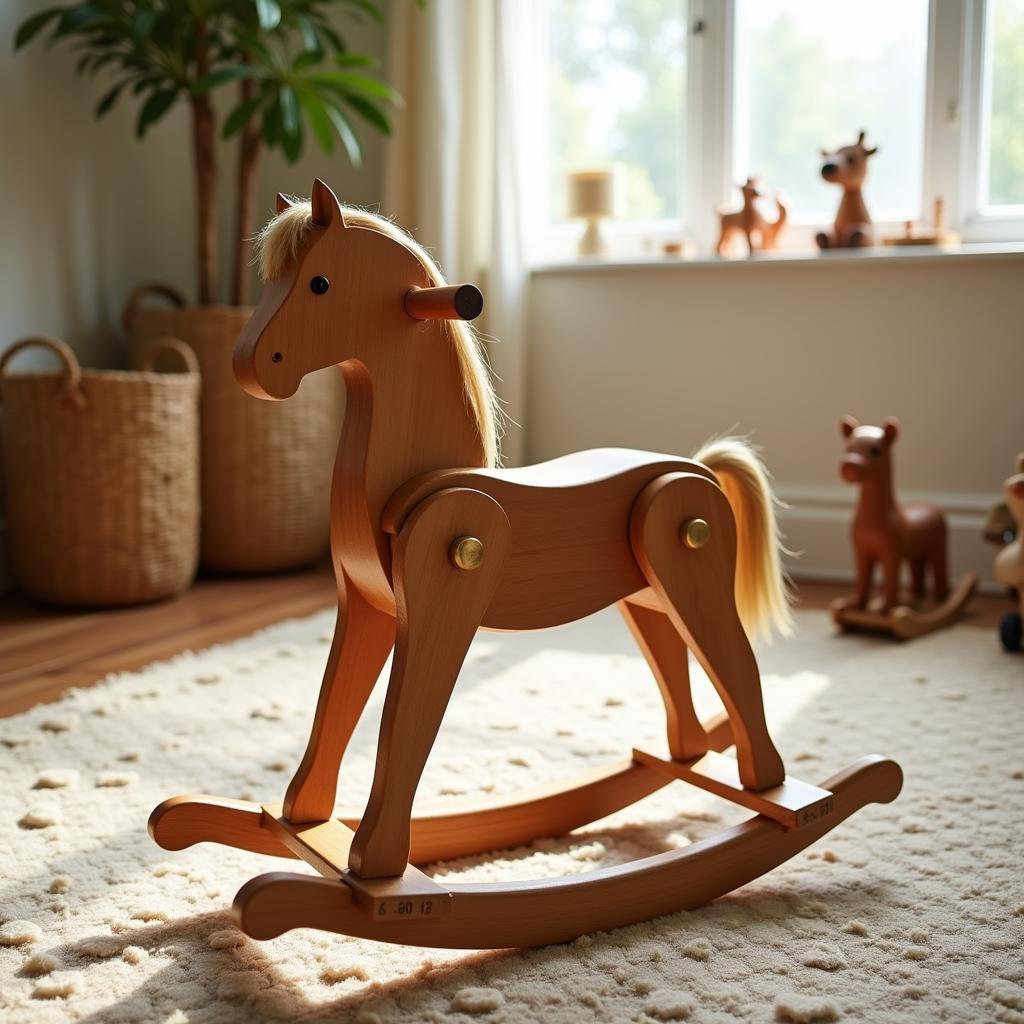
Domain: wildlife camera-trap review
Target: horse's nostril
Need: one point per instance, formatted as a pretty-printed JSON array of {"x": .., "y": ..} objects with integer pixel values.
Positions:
[
  {"x": 276, "y": 357},
  {"x": 830, "y": 168}
]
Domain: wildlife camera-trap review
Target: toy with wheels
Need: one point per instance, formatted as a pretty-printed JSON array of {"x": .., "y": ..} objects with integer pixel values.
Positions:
[
  {"x": 888, "y": 533},
  {"x": 431, "y": 542},
  {"x": 1009, "y": 563}
]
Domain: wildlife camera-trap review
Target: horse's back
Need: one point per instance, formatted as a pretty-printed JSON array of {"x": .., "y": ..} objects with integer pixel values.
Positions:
[{"x": 570, "y": 554}]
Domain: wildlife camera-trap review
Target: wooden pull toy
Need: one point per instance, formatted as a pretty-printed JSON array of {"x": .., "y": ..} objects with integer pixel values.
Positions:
[
  {"x": 847, "y": 167},
  {"x": 1009, "y": 564},
  {"x": 887, "y": 533},
  {"x": 431, "y": 542}
]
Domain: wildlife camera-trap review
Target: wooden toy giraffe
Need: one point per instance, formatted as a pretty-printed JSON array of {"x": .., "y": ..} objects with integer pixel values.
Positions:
[
  {"x": 430, "y": 542},
  {"x": 847, "y": 167}
]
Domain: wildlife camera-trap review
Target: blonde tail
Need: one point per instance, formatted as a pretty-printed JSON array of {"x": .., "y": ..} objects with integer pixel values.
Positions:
[{"x": 762, "y": 588}]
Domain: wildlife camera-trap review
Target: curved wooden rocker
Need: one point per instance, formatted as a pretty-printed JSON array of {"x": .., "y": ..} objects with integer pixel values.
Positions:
[{"x": 425, "y": 554}]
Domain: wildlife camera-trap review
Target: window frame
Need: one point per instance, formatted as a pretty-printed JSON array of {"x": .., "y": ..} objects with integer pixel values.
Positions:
[{"x": 953, "y": 161}]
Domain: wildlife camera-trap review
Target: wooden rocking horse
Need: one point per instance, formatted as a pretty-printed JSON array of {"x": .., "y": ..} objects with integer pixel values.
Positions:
[
  {"x": 887, "y": 533},
  {"x": 425, "y": 554}
]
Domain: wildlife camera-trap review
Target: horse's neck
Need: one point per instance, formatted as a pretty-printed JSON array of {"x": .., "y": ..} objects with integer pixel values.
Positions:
[
  {"x": 404, "y": 416},
  {"x": 852, "y": 208},
  {"x": 877, "y": 500}
]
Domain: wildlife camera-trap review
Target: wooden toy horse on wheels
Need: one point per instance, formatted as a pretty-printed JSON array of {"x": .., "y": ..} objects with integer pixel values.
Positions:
[{"x": 431, "y": 542}]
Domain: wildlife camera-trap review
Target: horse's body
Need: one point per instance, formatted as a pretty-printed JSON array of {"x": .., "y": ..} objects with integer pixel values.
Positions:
[{"x": 885, "y": 532}]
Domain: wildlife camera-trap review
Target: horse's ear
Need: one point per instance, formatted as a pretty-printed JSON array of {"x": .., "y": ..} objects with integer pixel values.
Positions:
[
  {"x": 326, "y": 208},
  {"x": 860, "y": 138},
  {"x": 847, "y": 425},
  {"x": 823, "y": 151},
  {"x": 891, "y": 429},
  {"x": 871, "y": 152},
  {"x": 282, "y": 202}
]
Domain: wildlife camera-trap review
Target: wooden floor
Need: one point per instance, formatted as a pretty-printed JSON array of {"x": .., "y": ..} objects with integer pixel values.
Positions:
[{"x": 45, "y": 652}]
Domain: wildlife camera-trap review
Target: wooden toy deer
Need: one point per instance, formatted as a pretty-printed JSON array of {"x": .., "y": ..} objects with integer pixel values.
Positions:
[
  {"x": 887, "y": 533},
  {"x": 847, "y": 167},
  {"x": 1009, "y": 564},
  {"x": 430, "y": 542},
  {"x": 760, "y": 234}
]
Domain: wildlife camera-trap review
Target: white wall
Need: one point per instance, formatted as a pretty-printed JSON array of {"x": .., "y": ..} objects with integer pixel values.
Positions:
[
  {"x": 662, "y": 357},
  {"x": 89, "y": 211}
]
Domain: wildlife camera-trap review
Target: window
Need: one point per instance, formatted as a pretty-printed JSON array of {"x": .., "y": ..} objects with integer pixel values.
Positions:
[
  {"x": 812, "y": 73},
  {"x": 616, "y": 81},
  {"x": 1002, "y": 141},
  {"x": 685, "y": 98}
]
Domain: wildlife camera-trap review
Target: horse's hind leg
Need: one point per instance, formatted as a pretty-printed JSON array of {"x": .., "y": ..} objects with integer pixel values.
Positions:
[
  {"x": 440, "y": 606},
  {"x": 666, "y": 653},
  {"x": 917, "y": 568},
  {"x": 940, "y": 567},
  {"x": 696, "y": 587}
]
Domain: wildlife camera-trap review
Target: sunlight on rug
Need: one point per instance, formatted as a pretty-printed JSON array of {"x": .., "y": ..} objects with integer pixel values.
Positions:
[{"x": 908, "y": 912}]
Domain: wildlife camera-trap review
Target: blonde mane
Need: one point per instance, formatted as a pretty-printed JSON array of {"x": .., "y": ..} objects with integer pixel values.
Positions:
[{"x": 281, "y": 240}]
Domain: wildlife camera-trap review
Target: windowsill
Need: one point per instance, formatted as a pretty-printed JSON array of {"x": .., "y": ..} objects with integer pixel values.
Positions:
[{"x": 875, "y": 254}]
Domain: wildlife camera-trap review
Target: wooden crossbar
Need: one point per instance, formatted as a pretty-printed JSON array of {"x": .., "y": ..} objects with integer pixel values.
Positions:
[
  {"x": 793, "y": 804},
  {"x": 324, "y": 845}
]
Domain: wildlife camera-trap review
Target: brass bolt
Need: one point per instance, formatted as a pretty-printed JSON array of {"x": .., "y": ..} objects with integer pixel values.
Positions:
[
  {"x": 695, "y": 533},
  {"x": 466, "y": 553}
]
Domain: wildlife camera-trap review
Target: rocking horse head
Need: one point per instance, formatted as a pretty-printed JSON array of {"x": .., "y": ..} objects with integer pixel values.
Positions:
[
  {"x": 867, "y": 457},
  {"x": 848, "y": 165},
  {"x": 347, "y": 287}
]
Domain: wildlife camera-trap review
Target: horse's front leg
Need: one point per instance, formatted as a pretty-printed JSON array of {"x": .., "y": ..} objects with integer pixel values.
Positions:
[
  {"x": 363, "y": 638},
  {"x": 442, "y": 592},
  {"x": 695, "y": 583}
]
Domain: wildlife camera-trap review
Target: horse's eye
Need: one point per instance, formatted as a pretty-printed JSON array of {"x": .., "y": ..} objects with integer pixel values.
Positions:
[
  {"x": 319, "y": 285},
  {"x": 876, "y": 451},
  {"x": 851, "y": 159}
]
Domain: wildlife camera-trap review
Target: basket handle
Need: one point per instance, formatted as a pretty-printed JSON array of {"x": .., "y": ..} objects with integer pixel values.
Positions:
[
  {"x": 165, "y": 291},
  {"x": 146, "y": 358},
  {"x": 72, "y": 371}
]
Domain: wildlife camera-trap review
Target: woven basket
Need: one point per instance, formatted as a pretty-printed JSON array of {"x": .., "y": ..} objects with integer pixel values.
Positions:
[
  {"x": 102, "y": 478},
  {"x": 266, "y": 466}
]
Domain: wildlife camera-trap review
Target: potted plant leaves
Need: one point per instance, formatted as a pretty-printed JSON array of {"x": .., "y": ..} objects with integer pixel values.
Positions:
[{"x": 265, "y": 466}]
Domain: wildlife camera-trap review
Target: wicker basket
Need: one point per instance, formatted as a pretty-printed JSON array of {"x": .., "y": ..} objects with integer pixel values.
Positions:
[
  {"x": 102, "y": 478},
  {"x": 266, "y": 466}
]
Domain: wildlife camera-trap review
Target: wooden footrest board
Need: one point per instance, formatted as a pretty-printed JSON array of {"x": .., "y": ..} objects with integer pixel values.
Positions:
[
  {"x": 324, "y": 845},
  {"x": 793, "y": 804}
]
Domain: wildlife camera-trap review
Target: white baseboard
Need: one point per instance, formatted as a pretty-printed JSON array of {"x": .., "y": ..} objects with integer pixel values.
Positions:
[{"x": 817, "y": 527}]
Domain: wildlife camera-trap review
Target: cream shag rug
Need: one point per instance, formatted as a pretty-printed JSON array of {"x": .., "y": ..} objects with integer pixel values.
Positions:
[{"x": 912, "y": 911}]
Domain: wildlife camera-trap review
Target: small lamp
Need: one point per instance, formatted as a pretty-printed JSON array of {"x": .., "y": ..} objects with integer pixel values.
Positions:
[{"x": 592, "y": 198}]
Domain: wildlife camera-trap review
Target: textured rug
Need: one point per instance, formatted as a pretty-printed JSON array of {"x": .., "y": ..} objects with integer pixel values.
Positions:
[{"x": 908, "y": 912}]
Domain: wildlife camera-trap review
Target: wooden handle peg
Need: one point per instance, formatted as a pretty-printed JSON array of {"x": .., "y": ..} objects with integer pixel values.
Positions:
[{"x": 452, "y": 302}]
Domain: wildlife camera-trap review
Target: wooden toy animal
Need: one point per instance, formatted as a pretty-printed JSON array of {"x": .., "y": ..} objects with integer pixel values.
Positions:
[
  {"x": 887, "y": 533},
  {"x": 847, "y": 167},
  {"x": 430, "y": 542},
  {"x": 1009, "y": 563},
  {"x": 760, "y": 234}
]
